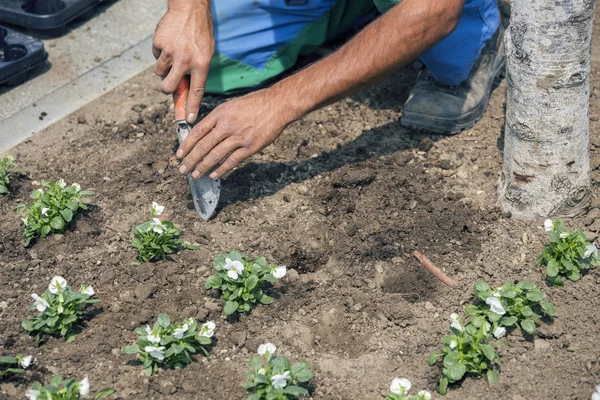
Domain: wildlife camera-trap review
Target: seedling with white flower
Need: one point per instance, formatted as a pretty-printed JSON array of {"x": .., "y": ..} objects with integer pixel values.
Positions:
[
  {"x": 171, "y": 345},
  {"x": 276, "y": 378},
  {"x": 14, "y": 365},
  {"x": 511, "y": 305},
  {"x": 155, "y": 238},
  {"x": 65, "y": 389},
  {"x": 240, "y": 280},
  {"x": 567, "y": 255},
  {"x": 7, "y": 170},
  {"x": 60, "y": 310},
  {"x": 399, "y": 391},
  {"x": 467, "y": 351},
  {"x": 55, "y": 205}
]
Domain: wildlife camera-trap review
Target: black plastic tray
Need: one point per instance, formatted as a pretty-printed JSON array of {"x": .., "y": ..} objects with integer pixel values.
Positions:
[
  {"x": 19, "y": 54},
  {"x": 43, "y": 14}
]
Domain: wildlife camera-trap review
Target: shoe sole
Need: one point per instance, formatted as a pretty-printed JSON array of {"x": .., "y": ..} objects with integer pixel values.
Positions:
[{"x": 453, "y": 126}]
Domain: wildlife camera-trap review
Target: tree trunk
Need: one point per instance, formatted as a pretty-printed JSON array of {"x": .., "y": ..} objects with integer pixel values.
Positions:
[{"x": 546, "y": 169}]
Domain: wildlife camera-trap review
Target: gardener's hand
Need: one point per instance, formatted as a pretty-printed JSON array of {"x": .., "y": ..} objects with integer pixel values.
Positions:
[
  {"x": 233, "y": 132},
  {"x": 184, "y": 44}
]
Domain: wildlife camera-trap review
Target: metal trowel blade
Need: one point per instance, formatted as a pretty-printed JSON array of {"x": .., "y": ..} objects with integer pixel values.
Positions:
[{"x": 205, "y": 191}]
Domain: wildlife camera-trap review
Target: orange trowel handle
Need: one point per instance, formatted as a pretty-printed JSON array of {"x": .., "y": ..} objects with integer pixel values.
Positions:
[{"x": 180, "y": 98}]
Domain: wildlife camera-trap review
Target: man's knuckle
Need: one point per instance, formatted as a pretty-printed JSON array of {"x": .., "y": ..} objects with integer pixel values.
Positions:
[{"x": 198, "y": 91}]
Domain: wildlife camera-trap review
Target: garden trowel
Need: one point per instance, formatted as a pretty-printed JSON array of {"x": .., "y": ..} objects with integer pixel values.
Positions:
[{"x": 205, "y": 191}]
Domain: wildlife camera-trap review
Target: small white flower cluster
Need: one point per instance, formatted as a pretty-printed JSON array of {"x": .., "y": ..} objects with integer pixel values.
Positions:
[
  {"x": 235, "y": 268},
  {"x": 401, "y": 386},
  {"x": 25, "y": 362},
  {"x": 157, "y": 225},
  {"x": 56, "y": 286},
  {"x": 207, "y": 329},
  {"x": 84, "y": 390},
  {"x": 589, "y": 249},
  {"x": 279, "y": 381}
]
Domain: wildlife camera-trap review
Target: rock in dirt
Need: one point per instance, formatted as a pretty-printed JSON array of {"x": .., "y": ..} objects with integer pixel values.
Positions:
[
  {"x": 426, "y": 144},
  {"x": 353, "y": 178},
  {"x": 402, "y": 159},
  {"x": 292, "y": 275},
  {"x": 167, "y": 388},
  {"x": 552, "y": 331},
  {"x": 143, "y": 292},
  {"x": 541, "y": 345},
  {"x": 85, "y": 226},
  {"x": 429, "y": 306}
]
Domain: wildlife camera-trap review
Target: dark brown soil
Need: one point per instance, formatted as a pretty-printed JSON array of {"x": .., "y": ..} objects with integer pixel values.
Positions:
[{"x": 343, "y": 198}]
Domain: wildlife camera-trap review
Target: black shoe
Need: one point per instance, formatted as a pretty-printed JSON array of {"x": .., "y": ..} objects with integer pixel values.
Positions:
[{"x": 435, "y": 107}]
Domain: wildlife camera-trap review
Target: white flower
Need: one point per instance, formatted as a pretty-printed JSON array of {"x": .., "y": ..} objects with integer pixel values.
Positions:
[
  {"x": 45, "y": 211},
  {"x": 495, "y": 305},
  {"x": 499, "y": 332},
  {"x": 496, "y": 293},
  {"x": 267, "y": 348},
  {"x": 151, "y": 338},
  {"x": 564, "y": 235},
  {"x": 453, "y": 344},
  {"x": 207, "y": 329},
  {"x": 87, "y": 290},
  {"x": 157, "y": 225},
  {"x": 548, "y": 225},
  {"x": 40, "y": 303},
  {"x": 400, "y": 386},
  {"x": 62, "y": 183},
  {"x": 234, "y": 268},
  {"x": 25, "y": 362},
  {"x": 156, "y": 352},
  {"x": 424, "y": 395},
  {"x": 455, "y": 322},
  {"x": 157, "y": 209},
  {"x": 596, "y": 394},
  {"x": 40, "y": 190},
  {"x": 178, "y": 333},
  {"x": 589, "y": 250},
  {"x": 279, "y": 381},
  {"x": 77, "y": 187},
  {"x": 56, "y": 283},
  {"x": 32, "y": 394},
  {"x": 279, "y": 272},
  {"x": 24, "y": 221},
  {"x": 262, "y": 371},
  {"x": 84, "y": 387}
]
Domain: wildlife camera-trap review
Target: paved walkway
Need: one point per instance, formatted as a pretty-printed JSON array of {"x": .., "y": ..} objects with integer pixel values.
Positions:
[{"x": 92, "y": 58}]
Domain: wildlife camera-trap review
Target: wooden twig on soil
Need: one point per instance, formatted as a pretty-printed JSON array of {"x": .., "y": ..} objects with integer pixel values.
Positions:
[{"x": 433, "y": 269}]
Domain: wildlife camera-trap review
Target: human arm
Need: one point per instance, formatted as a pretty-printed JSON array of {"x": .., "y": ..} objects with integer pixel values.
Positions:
[
  {"x": 184, "y": 44},
  {"x": 241, "y": 127}
]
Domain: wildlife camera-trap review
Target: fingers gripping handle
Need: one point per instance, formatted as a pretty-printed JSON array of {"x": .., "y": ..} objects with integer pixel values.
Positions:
[{"x": 180, "y": 98}]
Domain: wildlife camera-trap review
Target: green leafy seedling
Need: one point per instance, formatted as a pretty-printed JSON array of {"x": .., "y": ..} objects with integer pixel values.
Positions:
[
  {"x": 171, "y": 345},
  {"x": 468, "y": 351},
  {"x": 240, "y": 280},
  {"x": 275, "y": 378},
  {"x": 521, "y": 304},
  {"x": 55, "y": 205},
  {"x": 8, "y": 169},
  {"x": 10, "y": 366},
  {"x": 65, "y": 389},
  {"x": 155, "y": 239},
  {"x": 568, "y": 255},
  {"x": 60, "y": 310}
]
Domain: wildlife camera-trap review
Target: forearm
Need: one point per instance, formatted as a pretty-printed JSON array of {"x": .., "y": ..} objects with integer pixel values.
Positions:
[{"x": 388, "y": 43}]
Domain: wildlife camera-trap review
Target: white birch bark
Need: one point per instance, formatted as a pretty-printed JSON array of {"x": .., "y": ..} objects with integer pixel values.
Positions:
[{"x": 546, "y": 158}]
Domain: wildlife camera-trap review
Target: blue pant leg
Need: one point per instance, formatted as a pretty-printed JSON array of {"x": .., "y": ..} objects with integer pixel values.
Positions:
[{"x": 451, "y": 60}]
